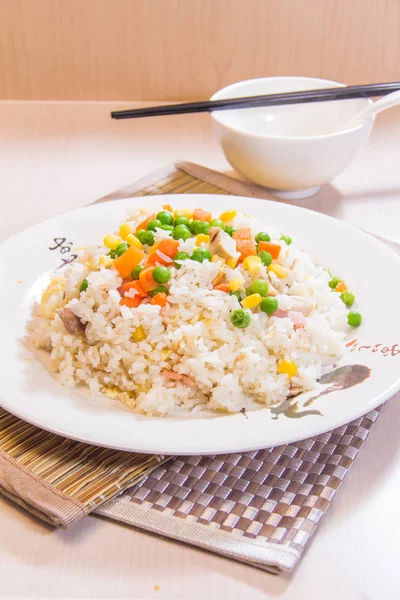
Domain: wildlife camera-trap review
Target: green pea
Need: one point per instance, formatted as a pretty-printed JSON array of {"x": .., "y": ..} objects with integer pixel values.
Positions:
[
  {"x": 259, "y": 287},
  {"x": 354, "y": 318},
  {"x": 182, "y": 221},
  {"x": 121, "y": 248},
  {"x": 217, "y": 223},
  {"x": 112, "y": 254},
  {"x": 334, "y": 281},
  {"x": 146, "y": 237},
  {"x": 262, "y": 237},
  {"x": 84, "y": 285},
  {"x": 136, "y": 271},
  {"x": 139, "y": 233},
  {"x": 159, "y": 289},
  {"x": 167, "y": 227},
  {"x": 230, "y": 230},
  {"x": 286, "y": 239},
  {"x": 237, "y": 294},
  {"x": 197, "y": 227},
  {"x": 269, "y": 305},
  {"x": 193, "y": 226},
  {"x": 153, "y": 224},
  {"x": 240, "y": 318},
  {"x": 347, "y": 297},
  {"x": 165, "y": 217},
  {"x": 180, "y": 256},
  {"x": 181, "y": 232},
  {"x": 201, "y": 254},
  {"x": 161, "y": 274},
  {"x": 266, "y": 257}
]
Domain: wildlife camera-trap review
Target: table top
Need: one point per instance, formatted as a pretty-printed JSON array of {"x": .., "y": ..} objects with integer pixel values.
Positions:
[{"x": 58, "y": 156}]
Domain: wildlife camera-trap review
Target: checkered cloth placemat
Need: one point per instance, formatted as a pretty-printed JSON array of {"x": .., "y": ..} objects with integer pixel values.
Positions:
[{"x": 259, "y": 507}]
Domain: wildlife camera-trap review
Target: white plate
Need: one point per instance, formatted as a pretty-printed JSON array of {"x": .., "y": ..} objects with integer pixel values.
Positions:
[{"x": 30, "y": 391}]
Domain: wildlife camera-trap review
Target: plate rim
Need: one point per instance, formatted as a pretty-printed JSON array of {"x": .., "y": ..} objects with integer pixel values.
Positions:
[{"x": 356, "y": 413}]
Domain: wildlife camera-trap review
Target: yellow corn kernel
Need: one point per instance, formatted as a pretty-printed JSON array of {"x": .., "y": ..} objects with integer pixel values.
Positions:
[
  {"x": 235, "y": 284},
  {"x": 253, "y": 264},
  {"x": 287, "y": 367},
  {"x": 124, "y": 230},
  {"x": 183, "y": 212},
  {"x": 232, "y": 262},
  {"x": 215, "y": 258},
  {"x": 168, "y": 207},
  {"x": 202, "y": 237},
  {"x": 139, "y": 334},
  {"x": 279, "y": 271},
  {"x": 112, "y": 241},
  {"x": 252, "y": 301},
  {"x": 228, "y": 215},
  {"x": 105, "y": 261},
  {"x": 132, "y": 240}
]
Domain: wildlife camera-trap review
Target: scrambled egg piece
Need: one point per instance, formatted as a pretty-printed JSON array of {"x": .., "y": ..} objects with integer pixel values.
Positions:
[{"x": 55, "y": 286}]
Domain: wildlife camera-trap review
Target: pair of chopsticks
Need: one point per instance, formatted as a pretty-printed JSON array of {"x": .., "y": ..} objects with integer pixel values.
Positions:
[{"x": 322, "y": 95}]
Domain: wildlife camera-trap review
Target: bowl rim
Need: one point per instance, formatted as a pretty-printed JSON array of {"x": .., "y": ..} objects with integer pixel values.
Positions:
[{"x": 214, "y": 115}]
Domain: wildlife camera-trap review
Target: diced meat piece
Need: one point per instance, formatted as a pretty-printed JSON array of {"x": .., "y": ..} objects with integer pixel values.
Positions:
[
  {"x": 72, "y": 323},
  {"x": 300, "y": 304},
  {"x": 178, "y": 377},
  {"x": 298, "y": 319},
  {"x": 281, "y": 314},
  {"x": 222, "y": 244},
  {"x": 172, "y": 375},
  {"x": 187, "y": 381}
]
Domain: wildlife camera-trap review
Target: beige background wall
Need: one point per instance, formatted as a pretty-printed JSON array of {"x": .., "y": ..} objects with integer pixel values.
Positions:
[{"x": 173, "y": 49}]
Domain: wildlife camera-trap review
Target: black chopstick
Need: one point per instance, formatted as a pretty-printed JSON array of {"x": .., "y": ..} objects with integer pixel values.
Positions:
[{"x": 321, "y": 95}]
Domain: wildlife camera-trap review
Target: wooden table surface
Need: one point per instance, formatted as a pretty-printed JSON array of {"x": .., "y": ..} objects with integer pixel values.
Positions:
[{"x": 59, "y": 156}]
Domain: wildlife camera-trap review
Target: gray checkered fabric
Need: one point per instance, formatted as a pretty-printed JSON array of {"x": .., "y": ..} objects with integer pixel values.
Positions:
[{"x": 273, "y": 496}]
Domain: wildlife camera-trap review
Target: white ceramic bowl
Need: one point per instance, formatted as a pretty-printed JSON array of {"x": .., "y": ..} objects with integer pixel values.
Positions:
[{"x": 293, "y": 149}]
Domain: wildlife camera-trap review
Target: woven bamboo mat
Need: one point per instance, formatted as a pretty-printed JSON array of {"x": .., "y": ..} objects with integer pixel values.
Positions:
[
  {"x": 259, "y": 507},
  {"x": 59, "y": 480}
]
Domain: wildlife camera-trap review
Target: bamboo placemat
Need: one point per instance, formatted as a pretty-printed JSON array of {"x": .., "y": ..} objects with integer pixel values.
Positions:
[
  {"x": 58, "y": 480},
  {"x": 259, "y": 507}
]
